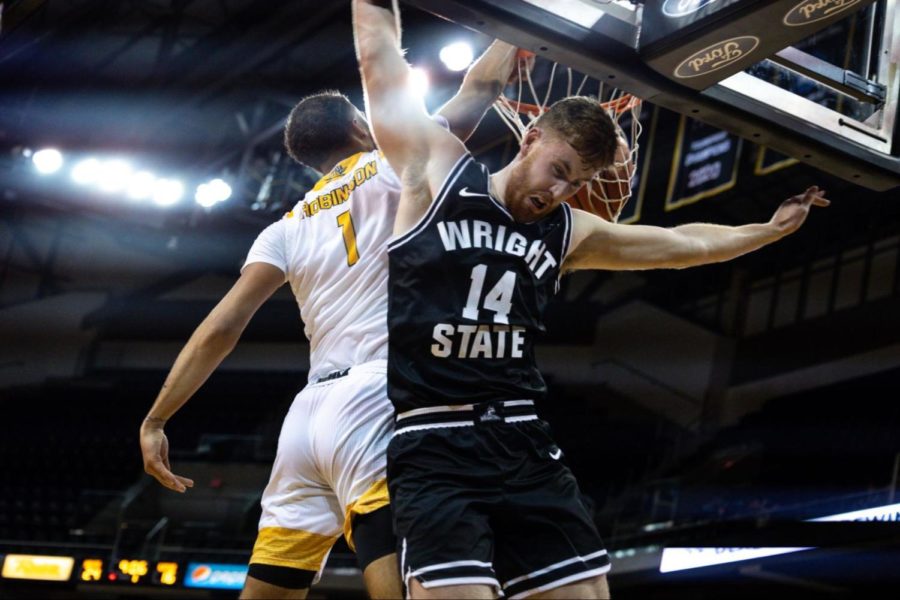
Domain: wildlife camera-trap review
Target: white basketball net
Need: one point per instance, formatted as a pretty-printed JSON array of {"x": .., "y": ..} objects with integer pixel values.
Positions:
[{"x": 611, "y": 186}]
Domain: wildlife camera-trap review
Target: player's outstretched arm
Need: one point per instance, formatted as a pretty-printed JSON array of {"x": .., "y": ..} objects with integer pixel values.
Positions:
[
  {"x": 598, "y": 244},
  {"x": 481, "y": 86},
  {"x": 421, "y": 151},
  {"x": 208, "y": 346}
]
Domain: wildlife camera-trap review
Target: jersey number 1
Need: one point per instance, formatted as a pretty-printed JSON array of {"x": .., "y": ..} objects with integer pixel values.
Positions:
[
  {"x": 499, "y": 299},
  {"x": 345, "y": 222}
]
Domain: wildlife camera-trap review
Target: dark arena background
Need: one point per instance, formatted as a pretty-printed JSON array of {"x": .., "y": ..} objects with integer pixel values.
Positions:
[{"x": 735, "y": 427}]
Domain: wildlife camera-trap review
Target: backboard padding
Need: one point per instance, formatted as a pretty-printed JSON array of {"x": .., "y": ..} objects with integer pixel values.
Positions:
[{"x": 607, "y": 50}]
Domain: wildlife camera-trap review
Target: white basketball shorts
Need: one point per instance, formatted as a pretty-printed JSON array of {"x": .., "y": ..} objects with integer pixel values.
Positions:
[{"x": 329, "y": 467}]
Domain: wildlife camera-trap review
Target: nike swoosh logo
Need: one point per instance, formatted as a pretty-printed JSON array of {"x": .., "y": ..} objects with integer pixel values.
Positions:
[
  {"x": 556, "y": 455},
  {"x": 467, "y": 194}
]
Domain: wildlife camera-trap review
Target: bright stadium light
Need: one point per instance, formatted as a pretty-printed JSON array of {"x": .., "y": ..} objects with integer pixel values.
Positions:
[
  {"x": 47, "y": 161},
  {"x": 167, "y": 192},
  {"x": 418, "y": 79},
  {"x": 457, "y": 56},
  {"x": 212, "y": 192},
  {"x": 140, "y": 186},
  {"x": 114, "y": 176},
  {"x": 86, "y": 171}
]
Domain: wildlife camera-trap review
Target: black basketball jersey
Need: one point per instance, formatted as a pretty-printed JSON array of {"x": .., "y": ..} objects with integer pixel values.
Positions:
[{"x": 467, "y": 291}]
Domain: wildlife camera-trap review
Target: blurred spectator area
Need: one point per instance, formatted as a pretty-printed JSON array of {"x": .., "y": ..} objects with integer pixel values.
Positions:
[{"x": 72, "y": 469}]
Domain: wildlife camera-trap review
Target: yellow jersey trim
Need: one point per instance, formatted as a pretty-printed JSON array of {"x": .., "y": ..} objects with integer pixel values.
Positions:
[
  {"x": 371, "y": 500},
  {"x": 282, "y": 547}
]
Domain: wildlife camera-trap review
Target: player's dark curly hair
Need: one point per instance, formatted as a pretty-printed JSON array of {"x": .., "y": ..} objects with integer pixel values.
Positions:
[
  {"x": 586, "y": 126},
  {"x": 318, "y": 126}
]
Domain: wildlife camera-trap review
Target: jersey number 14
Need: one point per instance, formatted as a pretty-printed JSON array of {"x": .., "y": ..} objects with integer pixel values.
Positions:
[{"x": 498, "y": 300}]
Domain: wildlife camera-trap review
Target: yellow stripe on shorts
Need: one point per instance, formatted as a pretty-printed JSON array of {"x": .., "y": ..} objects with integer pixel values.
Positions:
[
  {"x": 372, "y": 499},
  {"x": 281, "y": 547}
]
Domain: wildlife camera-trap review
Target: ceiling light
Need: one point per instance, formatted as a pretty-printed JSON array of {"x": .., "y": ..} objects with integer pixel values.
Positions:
[
  {"x": 47, "y": 161},
  {"x": 86, "y": 171},
  {"x": 167, "y": 192},
  {"x": 457, "y": 56},
  {"x": 212, "y": 192},
  {"x": 141, "y": 185},
  {"x": 114, "y": 176}
]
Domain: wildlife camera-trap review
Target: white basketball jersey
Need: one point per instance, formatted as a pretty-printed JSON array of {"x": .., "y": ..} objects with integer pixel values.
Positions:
[{"x": 332, "y": 248}]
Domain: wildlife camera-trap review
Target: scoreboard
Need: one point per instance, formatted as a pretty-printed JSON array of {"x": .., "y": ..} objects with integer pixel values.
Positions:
[{"x": 88, "y": 570}]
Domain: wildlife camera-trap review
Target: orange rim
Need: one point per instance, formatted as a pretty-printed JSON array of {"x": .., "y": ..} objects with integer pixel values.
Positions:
[{"x": 618, "y": 106}]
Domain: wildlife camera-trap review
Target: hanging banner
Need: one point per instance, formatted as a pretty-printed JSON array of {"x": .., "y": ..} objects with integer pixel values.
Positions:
[
  {"x": 704, "y": 164},
  {"x": 770, "y": 161}
]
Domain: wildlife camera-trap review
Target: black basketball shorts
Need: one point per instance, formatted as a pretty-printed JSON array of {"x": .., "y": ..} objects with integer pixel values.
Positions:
[{"x": 481, "y": 495}]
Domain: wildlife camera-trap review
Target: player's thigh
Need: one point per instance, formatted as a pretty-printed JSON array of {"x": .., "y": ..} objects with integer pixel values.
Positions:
[
  {"x": 595, "y": 588},
  {"x": 353, "y": 429},
  {"x": 301, "y": 516},
  {"x": 375, "y": 544},
  {"x": 441, "y": 502},
  {"x": 292, "y": 546},
  {"x": 546, "y": 538},
  {"x": 382, "y": 578}
]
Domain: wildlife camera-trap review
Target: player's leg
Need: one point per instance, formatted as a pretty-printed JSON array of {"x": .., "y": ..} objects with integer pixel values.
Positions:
[
  {"x": 352, "y": 448},
  {"x": 594, "y": 588},
  {"x": 286, "y": 561},
  {"x": 441, "y": 493},
  {"x": 376, "y": 552},
  {"x": 301, "y": 517},
  {"x": 295, "y": 583},
  {"x": 547, "y": 545},
  {"x": 382, "y": 578}
]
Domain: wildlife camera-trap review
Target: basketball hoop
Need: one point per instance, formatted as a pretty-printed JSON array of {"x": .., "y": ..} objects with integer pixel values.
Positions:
[{"x": 608, "y": 192}]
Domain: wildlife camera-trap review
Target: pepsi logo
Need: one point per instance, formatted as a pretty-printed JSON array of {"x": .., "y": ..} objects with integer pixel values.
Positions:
[{"x": 201, "y": 573}]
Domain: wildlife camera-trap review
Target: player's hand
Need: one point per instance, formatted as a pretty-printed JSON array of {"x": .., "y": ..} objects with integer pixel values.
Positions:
[
  {"x": 522, "y": 65},
  {"x": 155, "y": 448},
  {"x": 792, "y": 212}
]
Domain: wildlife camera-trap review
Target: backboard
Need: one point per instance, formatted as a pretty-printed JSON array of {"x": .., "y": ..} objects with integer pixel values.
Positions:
[{"x": 817, "y": 80}]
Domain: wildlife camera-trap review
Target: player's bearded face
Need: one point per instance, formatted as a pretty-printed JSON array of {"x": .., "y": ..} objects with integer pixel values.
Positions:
[{"x": 548, "y": 174}]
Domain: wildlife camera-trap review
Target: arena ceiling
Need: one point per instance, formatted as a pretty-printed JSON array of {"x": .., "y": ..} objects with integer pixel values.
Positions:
[
  {"x": 177, "y": 76},
  {"x": 204, "y": 86},
  {"x": 197, "y": 84}
]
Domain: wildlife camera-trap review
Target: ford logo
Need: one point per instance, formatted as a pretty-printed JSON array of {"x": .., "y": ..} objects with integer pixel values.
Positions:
[
  {"x": 681, "y": 8},
  {"x": 810, "y": 11},
  {"x": 715, "y": 57}
]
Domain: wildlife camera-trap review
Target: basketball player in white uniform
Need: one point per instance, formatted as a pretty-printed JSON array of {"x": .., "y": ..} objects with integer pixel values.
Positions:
[{"x": 329, "y": 473}]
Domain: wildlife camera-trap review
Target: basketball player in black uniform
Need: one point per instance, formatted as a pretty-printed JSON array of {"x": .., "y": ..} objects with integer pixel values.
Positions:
[{"x": 482, "y": 501}]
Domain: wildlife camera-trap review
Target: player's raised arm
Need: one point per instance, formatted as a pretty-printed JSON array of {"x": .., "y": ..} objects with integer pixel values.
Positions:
[
  {"x": 481, "y": 86},
  {"x": 420, "y": 150},
  {"x": 598, "y": 244}
]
